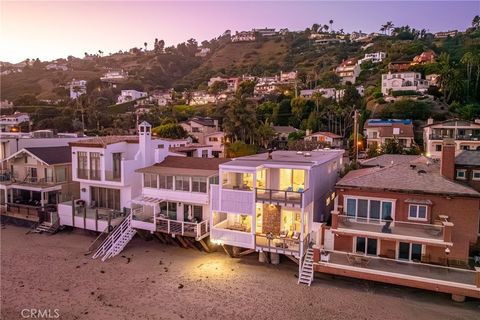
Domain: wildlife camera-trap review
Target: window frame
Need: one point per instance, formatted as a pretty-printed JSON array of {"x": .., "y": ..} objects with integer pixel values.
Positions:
[
  {"x": 464, "y": 171},
  {"x": 368, "y": 219},
  {"x": 417, "y": 218},
  {"x": 473, "y": 175}
]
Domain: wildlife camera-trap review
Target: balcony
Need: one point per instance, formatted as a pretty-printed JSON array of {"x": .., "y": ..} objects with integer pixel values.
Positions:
[
  {"x": 464, "y": 137},
  {"x": 279, "y": 244},
  {"x": 115, "y": 176},
  {"x": 283, "y": 197},
  {"x": 230, "y": 234},
  {"x": 190, "y": 229},
  {"x": 392, "y": 229},
  {"x": 89, "y": 174}
]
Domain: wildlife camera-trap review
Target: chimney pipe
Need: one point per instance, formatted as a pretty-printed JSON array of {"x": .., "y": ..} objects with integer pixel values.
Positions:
[
  {"x": 447, "y": 164},
  {"x": 270, "y": 154}
]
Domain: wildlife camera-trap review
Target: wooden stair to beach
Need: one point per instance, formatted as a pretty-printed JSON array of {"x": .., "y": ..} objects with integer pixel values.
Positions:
[
  {"x": 306, "y": 276},
  {"x": 116, "y": 241},
  {"x": 46, "y": 227}
]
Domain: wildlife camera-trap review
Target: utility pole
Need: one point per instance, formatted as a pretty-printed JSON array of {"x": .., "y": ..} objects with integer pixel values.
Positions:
[{"x": 355, "y": 134}]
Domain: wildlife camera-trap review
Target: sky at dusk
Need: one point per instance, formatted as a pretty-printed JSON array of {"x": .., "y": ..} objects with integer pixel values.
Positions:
[{"x": 50, "y": 30}]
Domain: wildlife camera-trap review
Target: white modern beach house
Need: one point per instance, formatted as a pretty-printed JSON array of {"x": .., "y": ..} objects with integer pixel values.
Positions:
[{"x": 274, "y": 203}]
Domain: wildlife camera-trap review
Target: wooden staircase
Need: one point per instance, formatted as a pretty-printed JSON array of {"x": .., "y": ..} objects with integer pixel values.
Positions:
[
  {"x": 46, "y": 227},
  {"x": 116, "y": 240},
  {"x": 306, "y": 276}
]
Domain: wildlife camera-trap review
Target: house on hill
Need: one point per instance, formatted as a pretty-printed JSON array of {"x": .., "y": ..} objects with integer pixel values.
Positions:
[{"x": 379, "y": 131}]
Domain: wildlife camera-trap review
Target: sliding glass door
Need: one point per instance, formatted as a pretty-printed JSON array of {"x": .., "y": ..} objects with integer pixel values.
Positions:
[
  {"x": 366, "y": 246},
  {"x": 410, "y": 251}
]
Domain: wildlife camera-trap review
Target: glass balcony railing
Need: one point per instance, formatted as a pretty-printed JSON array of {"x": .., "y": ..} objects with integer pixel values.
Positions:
[
  {"x": 113, "y": 175},
  {"x": 395, "y": 228}
]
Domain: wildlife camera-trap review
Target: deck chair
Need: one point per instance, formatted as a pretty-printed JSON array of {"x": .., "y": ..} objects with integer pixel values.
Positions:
[{"x": 296, "y": 235}]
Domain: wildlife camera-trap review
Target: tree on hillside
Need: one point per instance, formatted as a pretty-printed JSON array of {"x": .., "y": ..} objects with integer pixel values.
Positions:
[
  {"x": 240, "y": 120},
  {"x": 217, "y": 88},
  {"x": 476, "y": 22},
  {"x": 315, "y": 27},
  {"x": 170, "y": 131},
  {"x": 265, "y": 134},
  {"x": 282, "y": 113},
  {"x": 245, "y": 89}
]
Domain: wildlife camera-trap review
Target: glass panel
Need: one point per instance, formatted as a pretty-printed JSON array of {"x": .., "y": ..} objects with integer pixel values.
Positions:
[
  {"x": 422, "y": 212},
  {"x": 374, "y": 209},
  {"x": 412, "y": 213},
  {"x": 416, "y": 252},
  {"x": 351, "y": 207},
  {"x": 387, "y": 210},
  {"x": 60, "y": 174},
  {"x": 198, "y": 213},
  {"x": 372, "y": 246},
  {"x": 362, "y": 211},
  {"x": 298, "y": 180},
  {"x": 285, "y": 179},
  {"x": 404, "y": 251},
  {"x": 360, "y": 248}
]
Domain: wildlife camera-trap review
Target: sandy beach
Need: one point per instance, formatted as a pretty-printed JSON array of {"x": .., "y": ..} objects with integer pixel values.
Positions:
[{"x": 150, "y": 280}]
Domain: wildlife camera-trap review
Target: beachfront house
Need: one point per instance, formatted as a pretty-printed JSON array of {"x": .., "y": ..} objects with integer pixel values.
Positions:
[
  {"x": 33, "y": 180},
  {"x": 271, "y": 202},
  {"x": 398, "y": 222},
  {"x": 105, "y": 168},
  {"x": 175, "y": 197}
]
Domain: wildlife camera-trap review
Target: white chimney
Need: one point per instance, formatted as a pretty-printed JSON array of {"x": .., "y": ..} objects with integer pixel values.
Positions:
[{"x": 430, "y": 120}]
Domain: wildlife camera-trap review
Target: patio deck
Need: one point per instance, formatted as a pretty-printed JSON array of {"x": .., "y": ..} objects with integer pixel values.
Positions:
[{"x": 424, "y": 276}]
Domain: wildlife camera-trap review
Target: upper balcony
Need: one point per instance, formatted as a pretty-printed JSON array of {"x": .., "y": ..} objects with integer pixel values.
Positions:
[
  {"x": 232, "y": 200},
  {"x": 298, "y": 198},
  {"x": 398, "y": 230}
]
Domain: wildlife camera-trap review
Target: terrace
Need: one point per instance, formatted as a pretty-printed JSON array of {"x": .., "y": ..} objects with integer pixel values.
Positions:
[
  {"x": 390, "y": 229},
  {"x": 456, "y": 281}
]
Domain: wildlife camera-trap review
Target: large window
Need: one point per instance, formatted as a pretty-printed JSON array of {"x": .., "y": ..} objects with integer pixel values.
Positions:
[
  {"x": 82, "y": 165},
  {"x": 192, "y": 213},
  {"x": 150, "y": 180},
  {"x": 476, "y": 175},
  {"x": 410, "y": 251},
  {"x": 105, "y": 198},
  {"x": 94, "y": 166},
  {"x": 366, "y": 246},
  {"x": 182, "y": 183},
  {"x": 169, "y": 210},
  {"x": 369, "y": 209},
  {"x": 117, "y": 165},
  {"x": 461, "y": 174},
  {"x": 292, "y": 180},
  {"x": 199, "y": 184},
  {"x": 237, "y": 181},
  {"x": 417, "y": 212},
  {"x": 165, "y": 182}
]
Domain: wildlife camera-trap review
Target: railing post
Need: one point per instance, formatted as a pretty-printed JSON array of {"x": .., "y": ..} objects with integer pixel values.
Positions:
[
  {"x": 96, "y": 219},
  {"x": 335, "y": 219},
  {"x": 447, "y": 231},
  {"x": 109, "y": 219},
  {"x": 477, "y": 277},
  {"x": 168, "y": 225},
  {"x": 84, "y": 217},
  {"x": 73, "y": 212}
]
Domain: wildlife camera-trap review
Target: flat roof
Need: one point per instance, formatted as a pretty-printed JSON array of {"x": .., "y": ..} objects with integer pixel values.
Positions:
[{"x": 287, "y": 158}]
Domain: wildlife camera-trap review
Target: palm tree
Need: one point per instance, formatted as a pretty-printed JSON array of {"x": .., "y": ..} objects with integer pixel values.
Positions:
[
  {"x": 383, "y": 28},
  {"x": 325, "y": 27},
  {"x": 468, "y": 60},
  {"x": 331, "y": 24},
  {"x": 387, "y": 27},
  {"x": 315, "y": 27},
  {"x": 341, "y": 31}
]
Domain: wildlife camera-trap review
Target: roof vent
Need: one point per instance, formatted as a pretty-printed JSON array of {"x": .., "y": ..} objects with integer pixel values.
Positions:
[
  {"x": 307, "y": 154},
  {"x": 299, "y": 152}
]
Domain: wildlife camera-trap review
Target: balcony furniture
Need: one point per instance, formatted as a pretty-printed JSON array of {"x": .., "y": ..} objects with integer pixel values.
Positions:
[
  {"x": 324, "y": 256},
  {"x": 296, "y": 235},
  {"x": 283, "y": 234}
]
